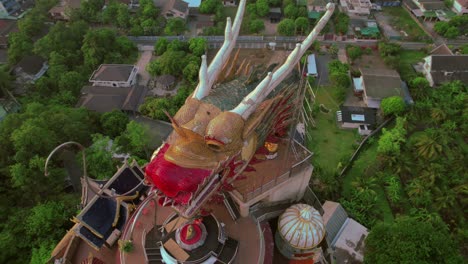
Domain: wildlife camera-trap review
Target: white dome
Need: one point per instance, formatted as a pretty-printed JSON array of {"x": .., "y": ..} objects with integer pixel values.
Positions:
[{"x": 301, "y": 226}]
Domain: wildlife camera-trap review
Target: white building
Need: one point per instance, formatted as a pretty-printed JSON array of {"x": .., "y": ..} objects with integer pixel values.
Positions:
[
  {"x": 356, "y": 7},
  {"x": 114, "y": 75}
]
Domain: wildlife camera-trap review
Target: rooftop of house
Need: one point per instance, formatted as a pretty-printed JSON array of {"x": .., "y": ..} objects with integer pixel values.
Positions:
[
  {"x": 441, "y": 50},
  {"x": 112, "y": 72},
  {"x": 450, "y": 63},
  {"x": 354, "y": 114},
  {"x": 31, "y": 64},
  {"x": 432, "y": 4},
  {"x": 181, "y": 6},
  {"x": 8, "y": 26},
  {"x": 381, "y": 83},
  {"x": 446, "y": 68},
  {"x": 105, "y": 99}
]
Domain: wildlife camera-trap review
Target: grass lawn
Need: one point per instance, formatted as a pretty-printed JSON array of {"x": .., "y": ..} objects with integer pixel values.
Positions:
[
  {"x": 407, "y": 58},
  {"x": 329, "y": 143},
  {"x": 365, "y": 159},
  {"x": 401, "y": 20}
]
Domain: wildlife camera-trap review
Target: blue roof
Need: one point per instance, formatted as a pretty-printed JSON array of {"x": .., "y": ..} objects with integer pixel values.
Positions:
[
  {"x": 193, "y": 3},
  {"x": 311, "y": 65}
]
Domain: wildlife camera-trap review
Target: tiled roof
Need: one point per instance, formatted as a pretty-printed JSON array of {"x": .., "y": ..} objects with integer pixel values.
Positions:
[
  {"x": 181, "y": 6},
  {"x": 446, "y": 68},
  {"x": 381, "y": 83},
  {"x": 105, "y": 99},
  {"x": 112, "y": 72},
  {"x": 31, "y": 64}
]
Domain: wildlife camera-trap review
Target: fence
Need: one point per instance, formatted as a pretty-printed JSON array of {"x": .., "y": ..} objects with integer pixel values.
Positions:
[{"x": 299, "y": 166}]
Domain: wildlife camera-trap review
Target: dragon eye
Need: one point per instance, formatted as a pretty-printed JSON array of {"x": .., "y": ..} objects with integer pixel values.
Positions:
[{"x": 214, "y": 144}]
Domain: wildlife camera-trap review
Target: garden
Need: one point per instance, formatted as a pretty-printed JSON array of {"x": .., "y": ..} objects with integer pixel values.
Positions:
[{"x": 402, "y": 21}]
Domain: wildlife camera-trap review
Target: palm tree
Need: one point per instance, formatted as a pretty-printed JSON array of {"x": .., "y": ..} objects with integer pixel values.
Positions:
[
  {"x": 438, "y": 114},
  {"x": 427, "y": 146},
  {"x": 444, "y": 198}
]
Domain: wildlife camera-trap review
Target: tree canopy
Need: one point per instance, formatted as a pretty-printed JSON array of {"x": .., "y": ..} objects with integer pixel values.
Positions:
[
  {"x": 393, "y": 105},
  {"x": 409, "y": 240},
  {"x": 286, "y": 27}
]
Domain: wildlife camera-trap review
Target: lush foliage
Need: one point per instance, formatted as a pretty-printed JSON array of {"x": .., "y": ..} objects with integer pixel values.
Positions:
[
  {"x": 286, "y": 27},
  {"x": 410, "y": 240},
  {"x": 341, "y": 21},
  {"x": 175, "y": 26},
  {"x": 354, "y": 52},
  {"x": 393, "y": 105},
  {"x": 339, "y": 76},
  {"x": 155, "y": 107},
  {"x": 453, "y": 28},
  {"x": 390, "y": 53}
]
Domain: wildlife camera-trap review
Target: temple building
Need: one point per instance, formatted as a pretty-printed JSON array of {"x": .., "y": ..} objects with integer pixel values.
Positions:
[{"x": 220, "y": 184}]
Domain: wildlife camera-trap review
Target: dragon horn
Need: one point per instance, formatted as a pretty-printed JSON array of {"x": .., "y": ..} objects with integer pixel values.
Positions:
[
  {"x": 230, "y": 36},
  {"x": 264, "y": 88}
]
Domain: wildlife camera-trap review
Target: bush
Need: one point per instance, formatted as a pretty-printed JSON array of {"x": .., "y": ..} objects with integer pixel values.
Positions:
[
  {"x": 393, "y": 105},
  {"x": 126, "y": 245}
]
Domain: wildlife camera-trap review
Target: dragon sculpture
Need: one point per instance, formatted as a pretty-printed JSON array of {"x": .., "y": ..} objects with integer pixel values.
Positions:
[{"x": 219, "y": 129}]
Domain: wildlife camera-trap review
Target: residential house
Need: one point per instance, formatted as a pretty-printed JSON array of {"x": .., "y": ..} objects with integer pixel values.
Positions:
[
  {"x": 114, "y": 75},
  {"x": 378, "y": 84},
  {"x": 388, "y": 2},
  {"x": 114, "y": 86},
  {"x": 229, "y": 3},
  {"x": 275, "y": 14},
  {"x": 345, "y": 236},
  {"x": 460, "y": 6},
  {"x": 62, "y": 9},
  {"x": 14, "y": 9},
  {"x": 7, "y": 27},
  {"x": 8, "y": 8},
  {"x": 173, "y": 8},
  {"x": 429, "y": 5},
  {"x": 356, "y": 7},
  {"x": 441, "y": 50},
  {"x": 363, "y": 118},
  {"x": 317, "y": 5},
  {"x": 29, "y": 69},
  {"x": 439, "y": 69}
]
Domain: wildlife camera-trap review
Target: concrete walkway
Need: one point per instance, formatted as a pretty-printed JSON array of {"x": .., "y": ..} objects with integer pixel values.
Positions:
[{"x": 145, "y": 58}]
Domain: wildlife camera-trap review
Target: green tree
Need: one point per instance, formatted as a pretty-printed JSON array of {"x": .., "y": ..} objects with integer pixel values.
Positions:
[
  {"x": 160, "y": 46},
  {"x": 256, "y": 25},
  {"x": 42, "y": 254},
  {"x": 190, "y": 72},
  {"x": 441, "y": 27},
  {"x": 286, "y": 27},
  {"x": 391, "y": 140},
  {"x": 135, "y": 139},
  {"x": 99, "y": 161},
  {"x": 341, "y": 23},
  {"x": 427, "y": 145},
  {"x": 408, "y": 240},
  {"x": 114, "y": 123},
  {"x": 33, "y": 23},
  {"x": 175, "y": 26},
  {"x": 262, "y": 8},
  {"x": 464, "y": 49},
  {"x": 171, "y": 62},
  {"x": 19, "y": 45},
  {"x": 340, "y": 79},
  {"x": 333, "y": 49},
  {"x": 302, "y": 25},
  {"x": 393, "y": 105},
  {"x": 91, "y": 10},
  {"x": 452, "y": 32},
  {"x": 48, "y": 220},
  {"x": 388, "y": 49},
  {"x": 291, "y": 11},
  {"x": 198, "y": 46},
  {"x": 209, "y": 6},
  {"x": 354, "y": 52}
]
